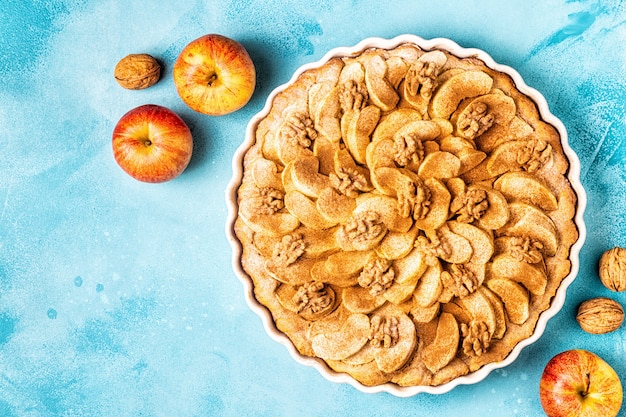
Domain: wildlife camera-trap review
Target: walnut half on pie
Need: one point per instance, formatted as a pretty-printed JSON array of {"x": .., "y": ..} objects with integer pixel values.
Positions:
[{"x": 405, "y": 215}]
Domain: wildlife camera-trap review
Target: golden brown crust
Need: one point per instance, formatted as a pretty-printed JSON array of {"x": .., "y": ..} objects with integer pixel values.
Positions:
[{"x": 405, "y": 215}]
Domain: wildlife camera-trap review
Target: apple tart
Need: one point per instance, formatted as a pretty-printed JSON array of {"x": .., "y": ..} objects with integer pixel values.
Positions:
[{"x": 405, "y": 214}]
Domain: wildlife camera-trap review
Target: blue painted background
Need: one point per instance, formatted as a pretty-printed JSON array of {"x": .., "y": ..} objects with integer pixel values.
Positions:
[{"x": 117, "y": 298}]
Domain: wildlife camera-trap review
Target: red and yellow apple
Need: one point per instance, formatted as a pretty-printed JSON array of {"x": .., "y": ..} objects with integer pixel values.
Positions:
[
  {"x": 214, "y": 75},
  {"x": 152, "y": 143},
  {"x": 578, "y": 383}
]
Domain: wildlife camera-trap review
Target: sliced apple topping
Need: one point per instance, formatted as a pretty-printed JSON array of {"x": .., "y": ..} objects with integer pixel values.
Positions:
[
  {"x": 359, "y": 129},
  {"x": 438, "y": 206},
  {"x": 531, "y": 276},
  {"x": 391, "y": 123},
  {"x": 444, "y": 348},
  {"x": 465, "y": 150},
  {"x": 429, "y": 287},
  {"x": 266, "y": 175},
  {"x": 480, "y": 241},
  {"x": 306, "y": 211},
  {"x": 295, "y": 137},
  {"x": 306, "y": 178},
  {"x": 394, "y": 337},
  {"x": 480, "y": 309},
  {"x": 381, "y": 92},
  {"x": 527, "y": 188},
  {"x": 386, "y": 208},
  {"x": 334, "y": 206},
  {"x": 348, "y": 177},
  {"x": 311, "y": 300},
  {"x": 358, "y": 299},
  {"x": 457, "y": 88},
  {"x": 351, "y": 337},
  {"x": 528, "y": 221},
  {"x": 515, "y": 298},
  {"x": 411, "y": 266},
  {"x": 397, "y": 245},
  {"x": 422, "y": 79},
  {"x": 440, "y": 164},
  {"x": 483, "y": 112},
  {"x": 498, "y": 308}
]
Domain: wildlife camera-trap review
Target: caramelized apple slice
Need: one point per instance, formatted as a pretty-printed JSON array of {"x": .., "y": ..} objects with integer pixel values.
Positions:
[
  {"x": 359, "y": 130},
  {"x": 352, "y": 336},
  {"x": 326, "y": 111},
  {"x": 504, "y": 158},
  {"x": 348, "y": 263},
  {"x": 444, "y": 348},
  {"x": 398, "y": 293},
  {"x": 528, "y": 221},
  {"x": 381, "y": 93},
  {"x": 418, "y": 87},
  {"x": 459, "y": 87},
  {"x": 306, "y": 211},
  {"x": 396, "y": 70},
  {"x": 306, "y": 178},
  {"x": 357, "y": 299},
  {"x": 429, "y": 287},
  {"x": 531, "y": 276},
  {"x": 276, "y": 224},
  {"x": 515, "y": 299},
  {"x": 527, "y": 188}
]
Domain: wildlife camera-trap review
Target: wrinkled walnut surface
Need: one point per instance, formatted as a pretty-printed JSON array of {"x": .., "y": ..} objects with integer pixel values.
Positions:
[
  {"x": 137, "y": 71},
  {"x": 405, "y": 215}
]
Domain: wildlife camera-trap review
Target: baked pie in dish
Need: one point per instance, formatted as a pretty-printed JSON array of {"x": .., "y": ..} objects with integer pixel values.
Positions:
[{"x": 406, "y": 215}]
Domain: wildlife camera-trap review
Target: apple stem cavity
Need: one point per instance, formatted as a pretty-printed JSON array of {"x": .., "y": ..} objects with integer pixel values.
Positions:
[{"x": 212, "y": 79}]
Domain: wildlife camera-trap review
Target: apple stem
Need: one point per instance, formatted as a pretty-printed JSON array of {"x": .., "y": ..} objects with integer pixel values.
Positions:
[
  {"x": 212, "y": 79},
  {"x": 584, "y": 392},
  {"x": 147, "y": 142}
]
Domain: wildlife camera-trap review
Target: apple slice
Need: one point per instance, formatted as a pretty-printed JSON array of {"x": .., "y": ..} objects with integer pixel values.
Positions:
[
  {"x": 497, "y": 107},
  {"x": 497, "y": 213},
  {"x": 480, "y": 308},
  {"x": 286, "y": 296},
  {"x": 297, "y": 273},
  {"x": 352, "y": 336},
  {"x": 415, "y": 93},
  {"x": 527, "y": 188},
  {"x": 306, "y": 178},
  {"x": 410, "y": 266},
  {"x": 327, "y": 117},
  {"x": 440, "y": 164},
  {"x": 514, "y": 296},
  {"x": 348, "y": 263},
  {"x": 429, "y": 287},
  {"x": 531, "y": 276},
  {"x": 390, "y": 359},
  {"x": 398, "y": 293},
  {"x": 357, "y": 299},
  {"x": 277, "y": 224},
  {"x": 459, "y": 87},
  {"x": 444, "y": 348},
  {"x": 387, "y": 208},
  {"x": 498, "y": 309},
  {"x": 480, "y": 241},
  {"x": 335, "y": 207},
  {"x": 306, "y": 211},
  {"x": 381, "y": 93},
  {"x": 528, "y": 221},
  {"x": 396, "y": 70},
  {"x": 463, "y": 149},
  {"x": 265, "y": 174},
  {"x": 392, "y": 122},
  {"x": 504, "y": 157},
  {"x": 425, "y": 314},
  {"x": 439, "y": 206},
  {"x": 459, "y": 248},
  {"x": 359, "y": 129},
  {"x": 516, "y": 130},
  {"x": 397, "y": 245}
]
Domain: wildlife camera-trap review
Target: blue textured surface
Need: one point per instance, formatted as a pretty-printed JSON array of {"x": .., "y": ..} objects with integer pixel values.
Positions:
[{"x": 117, "y": 298}]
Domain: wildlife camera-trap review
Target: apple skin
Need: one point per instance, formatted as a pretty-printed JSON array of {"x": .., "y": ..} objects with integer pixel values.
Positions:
[
  {"x": 578, "y": 383},
  {"x": 214, "y": 75},
  {"x": 152, "y": 143}
]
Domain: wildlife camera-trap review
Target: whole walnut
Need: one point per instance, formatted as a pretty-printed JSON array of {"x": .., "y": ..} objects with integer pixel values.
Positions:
[
  {"x": 137, "y": 71},
  {"x": 612, "y": 269}
]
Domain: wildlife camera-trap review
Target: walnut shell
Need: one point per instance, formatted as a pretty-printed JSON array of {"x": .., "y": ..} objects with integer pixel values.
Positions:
[
  {"x": 137, "y": 71},
  {"x": 612, "y": 269},
  {"x": 600, "y": 315}
]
